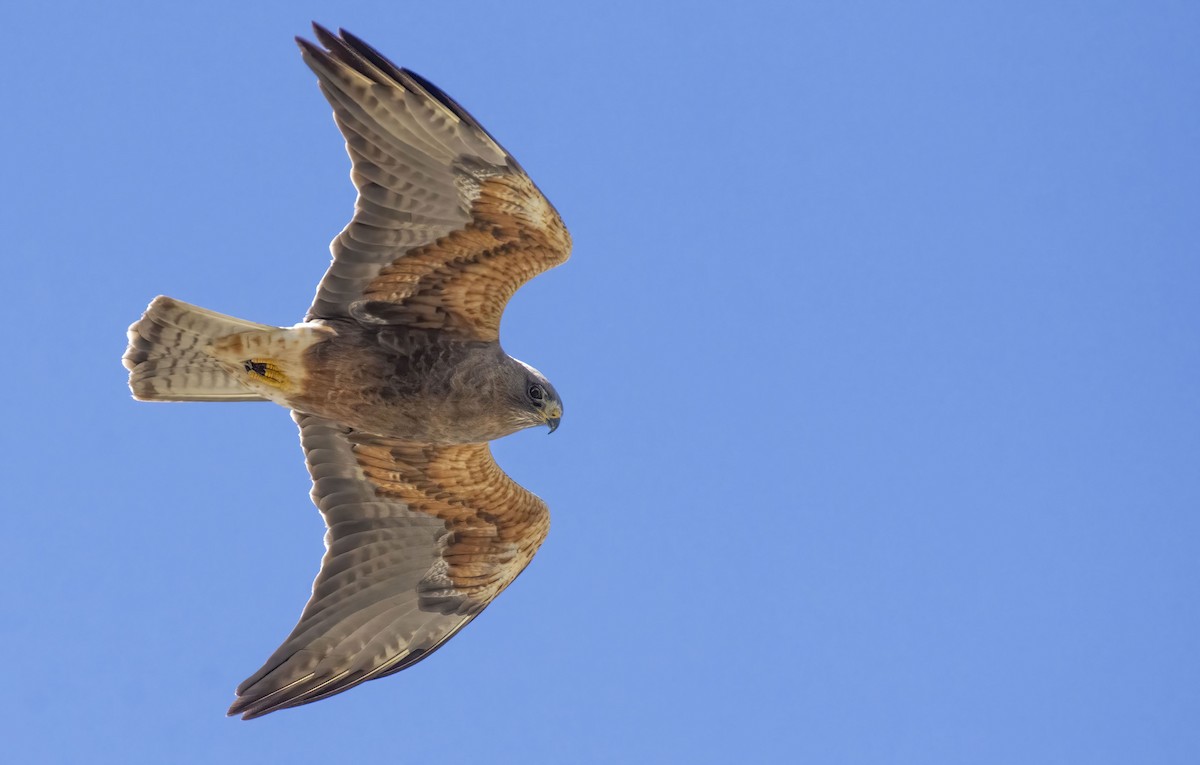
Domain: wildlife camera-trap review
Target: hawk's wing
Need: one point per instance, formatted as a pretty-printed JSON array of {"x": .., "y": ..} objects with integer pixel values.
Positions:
[
  {"x": 421, "y": 538},
  {"x": 447, "y": 225}
]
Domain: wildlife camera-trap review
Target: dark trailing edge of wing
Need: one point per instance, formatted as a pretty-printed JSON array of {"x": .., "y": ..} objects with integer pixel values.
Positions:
[{"x": 250, "y": 707}]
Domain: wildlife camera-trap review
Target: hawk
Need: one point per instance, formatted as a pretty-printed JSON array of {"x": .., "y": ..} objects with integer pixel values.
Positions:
[{"x": 395, "y": 377}]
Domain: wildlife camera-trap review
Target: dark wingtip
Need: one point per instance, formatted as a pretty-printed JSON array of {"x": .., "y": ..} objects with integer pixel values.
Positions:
[
  {"x": 320, "y": 31},
  {"x": 357, "y": 42},
  {"x": 307, "y": 47},
  {"x": 248, "y": 708},
  {"x": 441, "y": 96},
  {"x": 324, "y": 36},
  {"x": 368, "y": 53}
]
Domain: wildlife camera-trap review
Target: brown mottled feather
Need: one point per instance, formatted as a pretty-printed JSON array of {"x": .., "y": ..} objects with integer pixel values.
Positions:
[
  {"x": 447, "y": 225},
  {"x": 421, "y": 539},
  {"x": 495, "y": 524}
]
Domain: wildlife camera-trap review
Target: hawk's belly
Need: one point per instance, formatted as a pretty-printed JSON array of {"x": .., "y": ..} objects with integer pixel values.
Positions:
[{"x": 420, "y": 390}]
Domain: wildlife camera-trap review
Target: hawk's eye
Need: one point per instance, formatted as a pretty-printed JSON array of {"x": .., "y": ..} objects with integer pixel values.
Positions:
[{"x": 535, "y": 392}]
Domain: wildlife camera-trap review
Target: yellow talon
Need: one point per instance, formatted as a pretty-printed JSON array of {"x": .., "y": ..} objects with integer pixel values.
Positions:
[{"x": 266, "y": 371}]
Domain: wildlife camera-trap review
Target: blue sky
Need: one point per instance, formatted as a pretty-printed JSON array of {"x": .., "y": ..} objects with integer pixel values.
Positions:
[{"x": 878, "y": 346}]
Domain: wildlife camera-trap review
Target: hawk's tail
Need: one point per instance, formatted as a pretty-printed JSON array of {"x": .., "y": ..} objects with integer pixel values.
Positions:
[{"x": 167, "y": 356}]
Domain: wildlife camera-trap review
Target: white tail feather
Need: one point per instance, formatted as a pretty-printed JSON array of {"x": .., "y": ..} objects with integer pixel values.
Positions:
[{"x": 167, "y": 356}]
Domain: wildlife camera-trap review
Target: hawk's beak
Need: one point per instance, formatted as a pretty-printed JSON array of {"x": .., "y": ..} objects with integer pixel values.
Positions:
[{"x": 554, "y": 416}]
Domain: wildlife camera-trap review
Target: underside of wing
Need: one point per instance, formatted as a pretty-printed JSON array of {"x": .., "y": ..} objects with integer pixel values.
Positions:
[
  {"x": 447, "y": 225},
  {"x": 420, "y": 539}
]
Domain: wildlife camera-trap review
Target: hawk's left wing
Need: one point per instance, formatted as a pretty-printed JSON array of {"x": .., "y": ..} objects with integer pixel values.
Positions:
[{"x": 420, "y": 539}]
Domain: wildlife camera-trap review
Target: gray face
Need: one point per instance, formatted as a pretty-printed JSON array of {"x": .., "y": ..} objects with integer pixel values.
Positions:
[{"x": 537, "y": 399}]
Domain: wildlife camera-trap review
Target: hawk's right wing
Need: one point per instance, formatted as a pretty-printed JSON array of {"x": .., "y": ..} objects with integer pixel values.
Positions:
[{"x": 447, "y": 225}]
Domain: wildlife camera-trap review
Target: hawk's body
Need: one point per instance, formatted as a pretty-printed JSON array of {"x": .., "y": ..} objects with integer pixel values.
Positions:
[
  {"x": 410, "y": 383},
  {"x": 396, "y": 378},
  {"x": 393, "y": 380}
]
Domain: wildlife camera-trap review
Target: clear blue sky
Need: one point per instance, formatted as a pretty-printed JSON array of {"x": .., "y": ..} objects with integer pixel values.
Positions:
[{"x": 879, "y": 348}]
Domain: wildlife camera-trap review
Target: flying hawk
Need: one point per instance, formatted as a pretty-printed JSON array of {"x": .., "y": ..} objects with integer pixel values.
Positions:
[{"x": 395, "y": 377}]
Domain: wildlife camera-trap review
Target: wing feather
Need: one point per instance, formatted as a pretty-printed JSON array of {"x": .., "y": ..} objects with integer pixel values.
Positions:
[
  {"x": 420, "y": 539},
  {"x": 444, "y": 213}
]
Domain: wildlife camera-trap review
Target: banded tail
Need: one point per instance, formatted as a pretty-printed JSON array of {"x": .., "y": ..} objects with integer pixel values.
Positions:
[{"x": 169, "y": 357}]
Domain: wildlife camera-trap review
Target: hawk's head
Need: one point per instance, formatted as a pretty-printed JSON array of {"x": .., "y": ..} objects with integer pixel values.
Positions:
[{"x": 534, "y": 399}]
